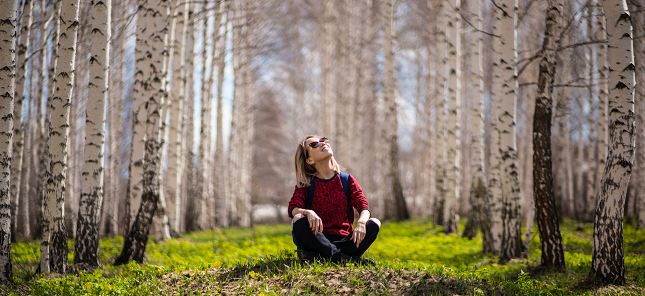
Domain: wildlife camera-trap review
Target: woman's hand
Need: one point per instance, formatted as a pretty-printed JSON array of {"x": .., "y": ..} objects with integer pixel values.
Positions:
[
  {"x": 359, "y": 233},
  {"x": 314, "y": 221}
]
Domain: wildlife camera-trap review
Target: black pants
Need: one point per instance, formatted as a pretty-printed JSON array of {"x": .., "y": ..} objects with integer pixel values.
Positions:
[{"x": 331, "y": 246}]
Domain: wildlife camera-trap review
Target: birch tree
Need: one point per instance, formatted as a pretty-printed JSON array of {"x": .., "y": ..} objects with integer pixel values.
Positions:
[
  {"x": 505, "y": 27},
  {"x": 480, "y": 211},
  {"x": 56, "y": 149},
  {"x": 8, "y": 25},
  {"x": 440, "y": 121},
  {"x": 608, "y": 263},
  {"x": 451, "y": 205},
  {"x": 392, "y": 175},
  {"x": 547, "y": 218},
  {"x": 639, "y": 105},
  {"x": 141, "y": 92},
  {"x": 177, "y": 99},
  {"x": 204, "y": 143},
  {"x": 219, "y": 165},
  {"x": 155, "y": 21},
  {"x": 19, "y": 127},
  {"x": 86, "y": 245},
  {"x": 603, "y": 101}
]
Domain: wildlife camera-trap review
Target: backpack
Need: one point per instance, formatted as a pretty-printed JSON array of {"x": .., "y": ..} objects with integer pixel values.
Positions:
[{"x": 344, "y": 181}]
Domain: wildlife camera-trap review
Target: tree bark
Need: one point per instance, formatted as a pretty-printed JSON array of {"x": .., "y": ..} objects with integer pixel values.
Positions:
[
  {"x": 60, "y": 104},
  {"x": 177, "y": 99},
  {"x": 86, "y": 245},
  {"x": 392, "y": 175},
  {"x": 8, "y": 25},
  {"x": 453, "y": 176},
  {"x": 547, "y": 218},
  {"x": 505, "y": 27},
  {"x": 603, "y": 101},
  {"x": 19, "y": 127},
  {"x": 141, "y": 92},
  {"x": 155, "y": 18},
  {"x": 480, "y": 208},
  {"x": 639, "y": 106},
  {"x": 219, "y": 165},
  {"x": 440, "y": 120},
  {"x": 608, "y": 263}
]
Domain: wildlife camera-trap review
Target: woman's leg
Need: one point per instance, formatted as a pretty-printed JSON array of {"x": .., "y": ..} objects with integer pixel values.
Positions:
[
  {"x": 305, "y": 240},
  {"x": 347, "y": 246}
]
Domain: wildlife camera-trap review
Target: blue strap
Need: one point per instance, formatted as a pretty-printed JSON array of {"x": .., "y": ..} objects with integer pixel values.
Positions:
[
  {"x": 344, "y": 181},
  {"x": 310, "y": 193}
]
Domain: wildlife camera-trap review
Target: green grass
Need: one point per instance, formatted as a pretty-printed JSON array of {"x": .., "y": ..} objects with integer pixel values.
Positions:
[{"x": 412, "y": 258}]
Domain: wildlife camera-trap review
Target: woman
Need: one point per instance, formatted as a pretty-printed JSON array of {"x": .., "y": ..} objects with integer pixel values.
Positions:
[{"x": 324, "y": 229}]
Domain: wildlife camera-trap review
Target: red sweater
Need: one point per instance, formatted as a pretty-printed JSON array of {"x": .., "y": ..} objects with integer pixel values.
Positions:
[{"x": 330, "y": 203}]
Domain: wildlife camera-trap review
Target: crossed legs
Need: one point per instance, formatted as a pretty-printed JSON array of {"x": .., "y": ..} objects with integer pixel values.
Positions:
[{"x": 332, "y": 247}]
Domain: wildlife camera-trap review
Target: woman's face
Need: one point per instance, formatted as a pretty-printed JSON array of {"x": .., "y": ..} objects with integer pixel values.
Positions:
[{"x": 322, "y": 152}]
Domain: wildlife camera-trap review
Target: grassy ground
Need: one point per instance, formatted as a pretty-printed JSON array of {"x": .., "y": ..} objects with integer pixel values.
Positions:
[{"x": 412, "y": 258}]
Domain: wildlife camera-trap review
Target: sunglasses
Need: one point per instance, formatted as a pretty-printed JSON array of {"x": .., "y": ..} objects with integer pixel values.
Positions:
[{"x": 320, "y": 142}]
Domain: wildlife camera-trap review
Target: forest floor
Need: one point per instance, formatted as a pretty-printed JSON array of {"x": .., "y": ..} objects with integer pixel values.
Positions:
[{"x": 413, "y": 258}]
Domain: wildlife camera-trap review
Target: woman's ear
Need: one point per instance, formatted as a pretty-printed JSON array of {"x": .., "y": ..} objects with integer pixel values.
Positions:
[{"x": 310, "y": 161}]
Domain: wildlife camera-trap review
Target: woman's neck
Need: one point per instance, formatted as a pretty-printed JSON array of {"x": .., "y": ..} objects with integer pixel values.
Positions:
[{"x": 324, "y": 170}]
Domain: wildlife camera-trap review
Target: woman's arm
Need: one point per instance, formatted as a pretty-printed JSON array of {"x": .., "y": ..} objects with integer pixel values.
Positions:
[
  {"x": 364, "y": 216},
  {"x": 314, "y": 221},
  {"x": 359, "y": 231}
]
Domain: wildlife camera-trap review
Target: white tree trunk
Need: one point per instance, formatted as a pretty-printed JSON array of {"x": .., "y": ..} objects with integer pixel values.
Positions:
[
  {"x": 19, "y": 128},
  {"x": 219, "y": 165},
  {"x": 328, "y": 95},
  {"x": 141, "y": 93},
  {"x": 394, "y": 200},
  {"x": 603, "y": 97},
  {"x": 204, "y": 143},
  {"x": 43, "y": 149},
  {"x": 154, "y": 19},
  {"x": 479, "y": 190},
  {"x": 505, "y": 27},
  {"x": 86, "y": 246},
  {"x": 187, "y": 119},
  {"x": 608, "y": 263},
  {"x": 177, "y": 98},
  {"x": 440, "y": 120},
  {"x": 451, "y": 205},
  {"x": 58, "y": 136},
  {"x": 8, "y": 25},
  {"x": 495, "y": 182}
]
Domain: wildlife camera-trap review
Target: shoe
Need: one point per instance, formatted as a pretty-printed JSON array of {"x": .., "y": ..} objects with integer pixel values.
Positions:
[
  {"x": 363, "y": 261},
  {"x": 305, "y": 255}
]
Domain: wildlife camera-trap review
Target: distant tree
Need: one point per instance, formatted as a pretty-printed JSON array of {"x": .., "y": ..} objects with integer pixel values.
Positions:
[
  {"x": 440, "y": 120},
  {"x": 19, "y": 127},
  {"x": 177, "y": 101},
  {"x": 479, "y": 216},
  {"x": 547, "y": 218},
  {"x": 395, "y": 201},
  {"x": 8, "y": 25},
  {"x": 608, "y": 263},
  {"x": 86, "y": 245},
  {"x": 453, "y": 160}
]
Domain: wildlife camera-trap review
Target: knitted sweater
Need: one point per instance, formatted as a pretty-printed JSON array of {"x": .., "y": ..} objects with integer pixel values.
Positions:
[{"x": 330, "y": 203}]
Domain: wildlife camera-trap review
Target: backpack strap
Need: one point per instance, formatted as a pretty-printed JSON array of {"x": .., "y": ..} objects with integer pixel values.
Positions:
[
  {"x": 310, "y": 193},
  {"x": 344, "y": 181}
]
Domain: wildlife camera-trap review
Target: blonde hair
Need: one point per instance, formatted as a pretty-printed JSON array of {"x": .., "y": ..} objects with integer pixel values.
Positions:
[{"x": 305, "y": 171}]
